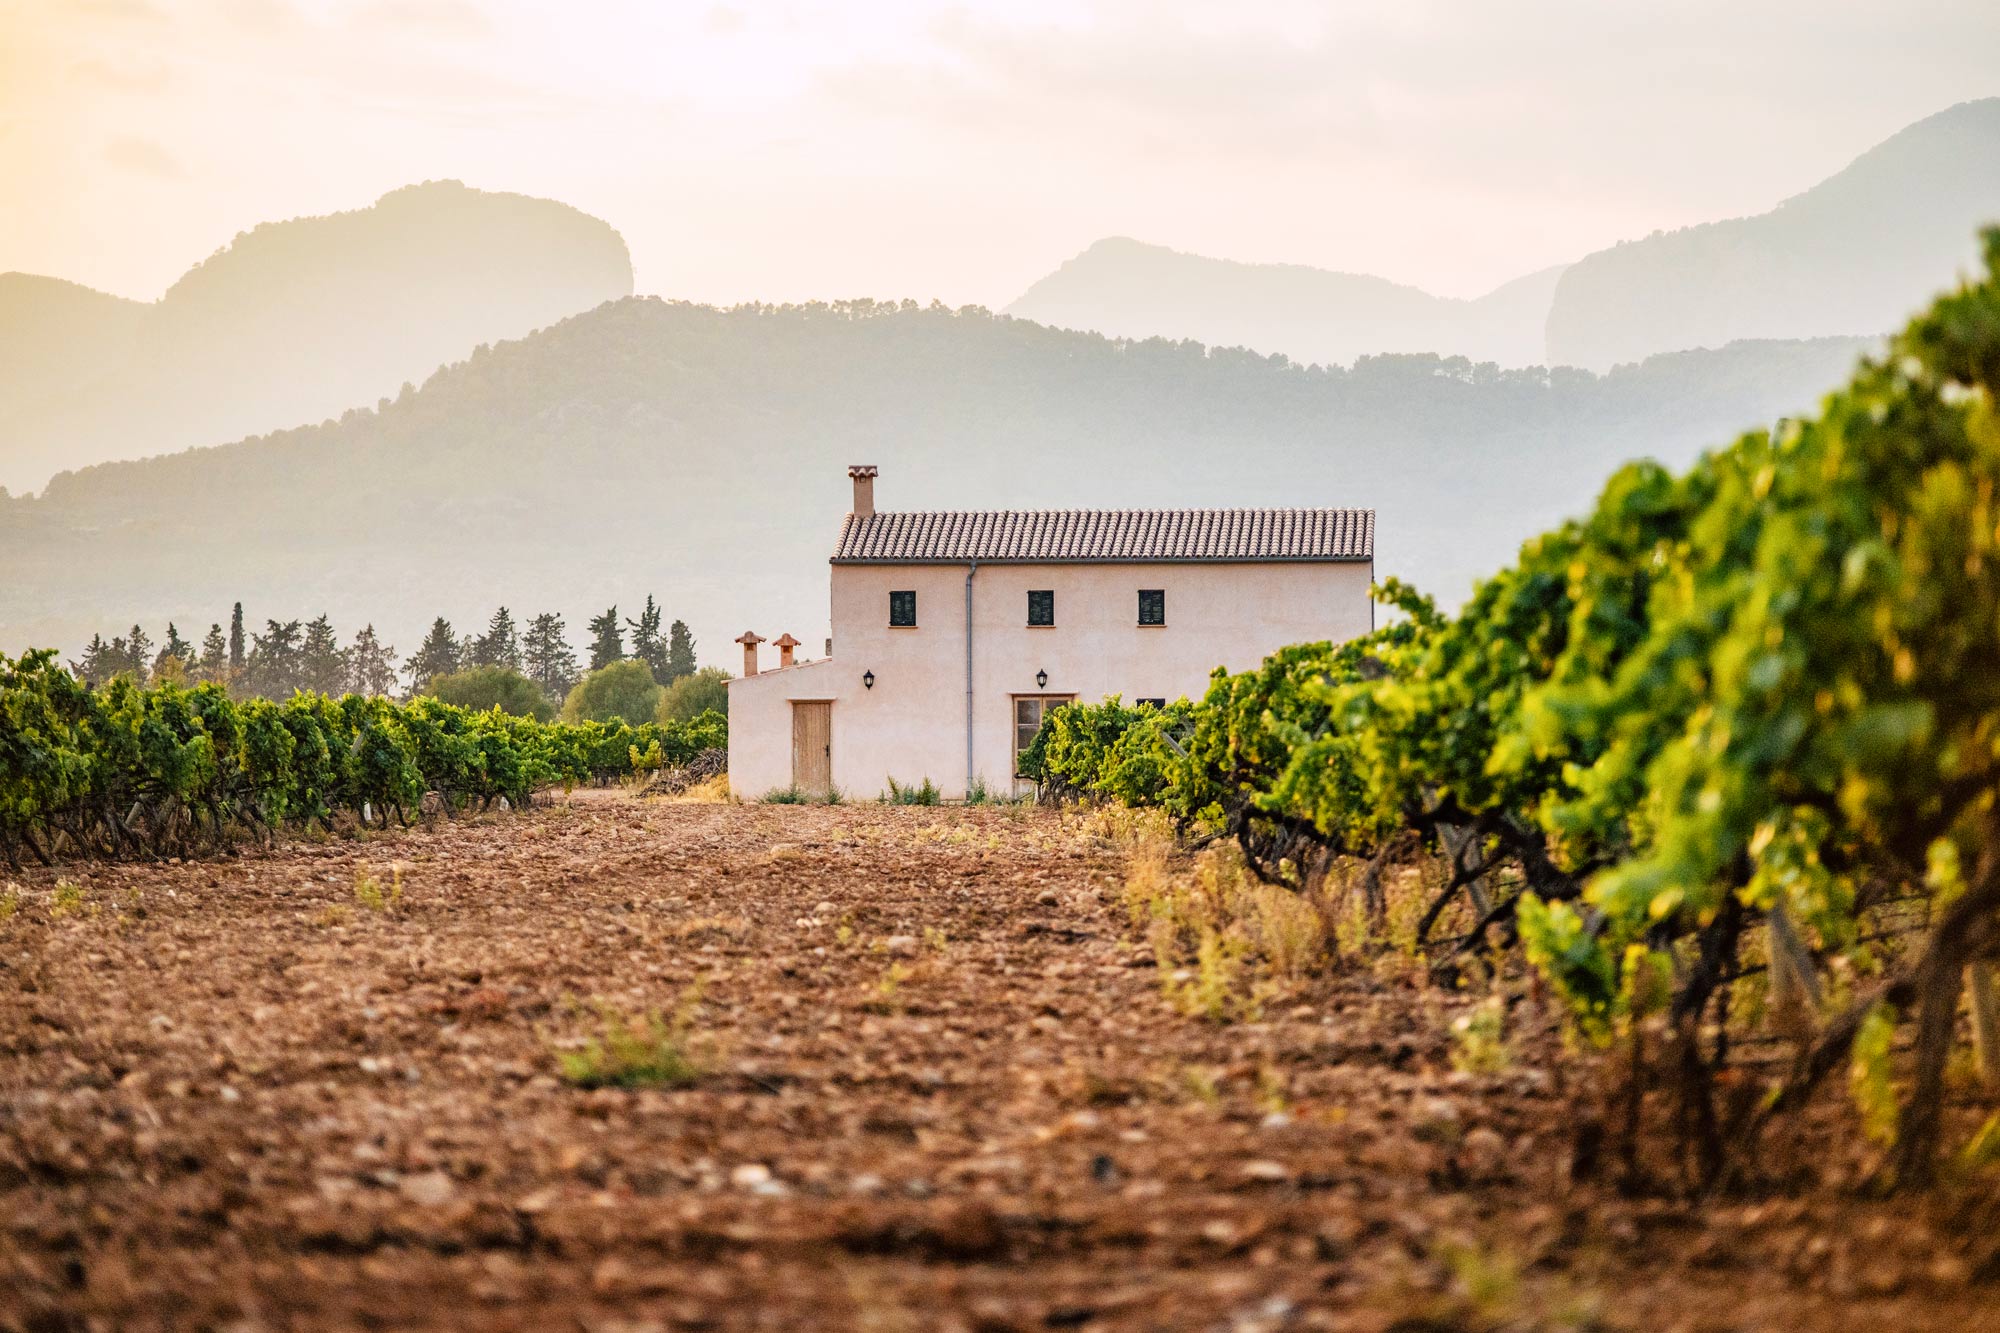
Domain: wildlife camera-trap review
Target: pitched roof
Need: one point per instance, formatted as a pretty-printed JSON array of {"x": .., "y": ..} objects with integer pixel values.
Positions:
[{"x": 1034, "y": 536}]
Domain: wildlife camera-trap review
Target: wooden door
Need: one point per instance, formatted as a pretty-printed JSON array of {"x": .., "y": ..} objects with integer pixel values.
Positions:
[{"x": 812, "y": 746}]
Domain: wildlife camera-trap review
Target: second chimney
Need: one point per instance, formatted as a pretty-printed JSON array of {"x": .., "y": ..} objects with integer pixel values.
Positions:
[
  {"x": 786, "y": 643},
  {"x": 749, "y": 642},
  {"x": 864, "y": 488}
]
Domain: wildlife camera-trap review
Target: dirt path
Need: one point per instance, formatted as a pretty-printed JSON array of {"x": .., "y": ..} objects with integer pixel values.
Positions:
[{"x": 943, "y": 1092}]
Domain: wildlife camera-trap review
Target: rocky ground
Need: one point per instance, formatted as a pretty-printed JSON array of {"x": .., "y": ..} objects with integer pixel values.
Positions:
[{"x": 934, "y": 1086}]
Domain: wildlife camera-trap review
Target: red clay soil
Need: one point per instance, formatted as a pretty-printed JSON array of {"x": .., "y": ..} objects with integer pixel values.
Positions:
[{"x": 941, "y": 1091}]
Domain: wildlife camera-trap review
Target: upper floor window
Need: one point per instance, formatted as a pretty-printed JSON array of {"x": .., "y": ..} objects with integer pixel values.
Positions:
[
  {"x": 1042, "y": 607},
  {"x": 903, "y": 608},
  {"x": 1152, "y": 606}
]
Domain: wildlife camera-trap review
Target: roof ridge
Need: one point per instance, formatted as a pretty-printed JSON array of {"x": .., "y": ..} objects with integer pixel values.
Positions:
[
  {"x": 1163, "y": 509},
  {"x": 1027, "y": 536}
]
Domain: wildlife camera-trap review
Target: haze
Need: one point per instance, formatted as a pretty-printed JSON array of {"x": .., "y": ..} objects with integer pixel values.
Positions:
[{"x": 956, "y": 151}]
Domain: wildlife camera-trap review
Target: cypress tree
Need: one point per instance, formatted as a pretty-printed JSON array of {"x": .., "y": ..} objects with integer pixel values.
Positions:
[
  {"x": 548, "y": 659},
  {"x": 680, "y": 652},
  {"x": 499, "y": 646},
  {"x": 237, "y": 655},
  {"x": 322, "y": 664},
  {"x": 214, "y": 664},
  {"x": 438, "y": 655},
  {"x": 607, "y": 645},
  {"x": 647, "y": 645},
  {"x": 371, "y": 665}
]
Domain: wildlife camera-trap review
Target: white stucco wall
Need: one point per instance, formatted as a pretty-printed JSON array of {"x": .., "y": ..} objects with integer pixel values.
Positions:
[{"x": 911, "y": 725}]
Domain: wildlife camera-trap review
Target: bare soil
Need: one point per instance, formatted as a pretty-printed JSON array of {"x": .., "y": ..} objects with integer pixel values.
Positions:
[{"x": 941, "y": 1090}]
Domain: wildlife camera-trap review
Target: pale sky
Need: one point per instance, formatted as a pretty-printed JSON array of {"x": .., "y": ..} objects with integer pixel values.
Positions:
[{"x": 890, "y": 148}]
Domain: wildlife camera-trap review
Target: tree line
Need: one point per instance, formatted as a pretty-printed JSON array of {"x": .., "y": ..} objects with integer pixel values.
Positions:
[{"x": 292, "y": 656}]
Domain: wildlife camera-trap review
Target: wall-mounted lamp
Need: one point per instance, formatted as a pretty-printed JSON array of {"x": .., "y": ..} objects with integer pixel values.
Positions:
[
  {"x": 1041, "y": 680},
  {"x": 867, "y": 680}
]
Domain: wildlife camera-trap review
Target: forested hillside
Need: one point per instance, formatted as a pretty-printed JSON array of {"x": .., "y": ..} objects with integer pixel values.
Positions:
[
  {"x": 1856, "y": 254},
  {"x": 1128, "y": 289},
  {"x": 701, "y": 452},
  {"x": 291, "y": 323}
]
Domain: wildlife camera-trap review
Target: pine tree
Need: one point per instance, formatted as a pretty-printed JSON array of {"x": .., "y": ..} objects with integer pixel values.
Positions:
[
  {"x": 647, "y": 645},
  {"x": 499, "y": 646},
  {"x": 322, "y": 664},
  {"x": 680, "y": 652},
  {"x": 275, "y": 668},
  {"x": 438, "y": 655},
  {"x": 214, "y": 664},
  {"x": 96, "y": 665},
  {"x": 138, "y": 655},
  {"x": 607, "y": 645},
  {"x": 175, "y": 649},
  {"x": 548, "y": 659},
  {"x": 238, "y": 659},
  {"x": 371, "y": 665}
]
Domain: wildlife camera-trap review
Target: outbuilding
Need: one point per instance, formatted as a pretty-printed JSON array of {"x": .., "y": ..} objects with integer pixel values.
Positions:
[{"x": 954, "y": 631}]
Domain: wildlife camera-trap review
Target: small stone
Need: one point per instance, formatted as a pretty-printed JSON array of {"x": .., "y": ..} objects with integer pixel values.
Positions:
[
  {"x": 1483, "y": 1155},
  {"x": 1274, "y": 1171},
  {"x": 825, "y": 909},
  {"x": 1048, "y": 898},
  {"x": 431, "y": 1189},
  {"x": 750, "y": 1175},
  {"x": 900, "y": 946}
]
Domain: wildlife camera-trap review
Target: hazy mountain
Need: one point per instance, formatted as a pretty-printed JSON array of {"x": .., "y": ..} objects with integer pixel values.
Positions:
[
  {"x": 56, "y": 335},
  {"x": 293, "y": 322},
  {"x": 1855, "y": 254},
  {"x": 700, "y": 453},
  {"x": 1128, "y": 289}
]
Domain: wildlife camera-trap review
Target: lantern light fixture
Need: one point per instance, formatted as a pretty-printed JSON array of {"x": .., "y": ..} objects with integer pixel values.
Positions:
[
  {"x": 867, "y": 680},
  {"x": 1041, "y": 680}
]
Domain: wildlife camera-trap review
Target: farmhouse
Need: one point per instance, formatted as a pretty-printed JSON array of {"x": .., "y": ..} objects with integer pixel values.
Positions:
[{"x": 953, "y": 632}]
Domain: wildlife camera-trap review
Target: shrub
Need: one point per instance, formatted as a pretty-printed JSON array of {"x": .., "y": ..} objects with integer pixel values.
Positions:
[
  {"x": 926, "y": 793},
  {"x": 482, "y": 689},
  {"x": 707, "y": 690},
  {"x": 624, "y": 691}
]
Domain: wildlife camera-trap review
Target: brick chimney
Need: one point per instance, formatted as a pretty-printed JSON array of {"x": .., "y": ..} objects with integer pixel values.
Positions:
[
  {"x": 864, "y": 488},
  {"x": 750, "y": 642},
  {"x": 786, "y": 643}
]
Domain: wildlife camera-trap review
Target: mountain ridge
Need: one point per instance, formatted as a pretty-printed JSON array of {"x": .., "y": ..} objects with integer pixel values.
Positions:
[
  {"x": 1853, "y": 254},
  {"x": 301, "y": 320},
  {"x": 1278, "y": 307}
]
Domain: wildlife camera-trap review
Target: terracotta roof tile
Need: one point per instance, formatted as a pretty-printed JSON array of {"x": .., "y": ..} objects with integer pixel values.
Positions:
[{"x": 998, "y": 536}]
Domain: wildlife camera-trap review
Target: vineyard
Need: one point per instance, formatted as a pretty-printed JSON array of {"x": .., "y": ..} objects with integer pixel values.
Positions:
[
  {"x": 1718, "y": 763},
  {"x": 124, "y": 770}
]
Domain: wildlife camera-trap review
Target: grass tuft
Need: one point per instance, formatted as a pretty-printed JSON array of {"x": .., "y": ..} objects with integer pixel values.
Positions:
[
  {"x": 372, "y": 895},
  {"x": 636, "y": 1051}
]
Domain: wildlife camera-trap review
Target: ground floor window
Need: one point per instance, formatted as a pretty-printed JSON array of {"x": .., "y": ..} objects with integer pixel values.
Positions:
[{"x": 1029, "y": 710}]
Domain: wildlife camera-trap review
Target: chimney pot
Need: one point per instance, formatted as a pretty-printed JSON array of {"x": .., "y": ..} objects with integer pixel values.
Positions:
[
  {"x": 749, "y": 640},
  {"x": 786, "y": 643},
  {"x": 864, "y": 488}
]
